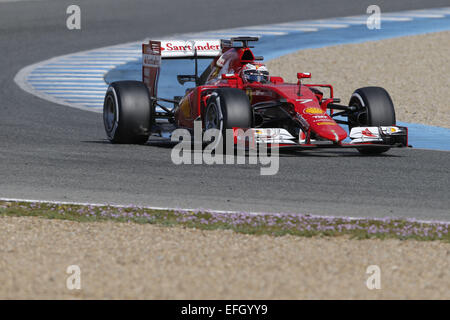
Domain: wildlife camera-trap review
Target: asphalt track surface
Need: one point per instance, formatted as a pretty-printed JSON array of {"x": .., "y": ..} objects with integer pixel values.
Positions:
[{"x": 50, "y": 152}]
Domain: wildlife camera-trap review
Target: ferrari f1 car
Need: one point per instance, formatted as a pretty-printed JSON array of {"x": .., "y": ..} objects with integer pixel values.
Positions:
[{"x": 236, "y": 92}]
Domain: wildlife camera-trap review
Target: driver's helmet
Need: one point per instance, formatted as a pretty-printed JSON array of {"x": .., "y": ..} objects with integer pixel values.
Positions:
[{"x": 255, "y": 73}]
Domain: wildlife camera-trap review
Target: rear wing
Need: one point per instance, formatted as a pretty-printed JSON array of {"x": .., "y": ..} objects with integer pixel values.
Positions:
[{"x": 154, "y": 51}]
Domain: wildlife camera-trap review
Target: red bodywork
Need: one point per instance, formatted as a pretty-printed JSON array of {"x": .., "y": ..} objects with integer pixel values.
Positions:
[
  {"x": 305, "y": 104},
  {"x": 309, "y": 106}
]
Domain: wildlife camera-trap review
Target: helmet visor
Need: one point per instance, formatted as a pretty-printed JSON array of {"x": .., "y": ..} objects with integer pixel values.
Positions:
[{"x": 257, "y": 76}]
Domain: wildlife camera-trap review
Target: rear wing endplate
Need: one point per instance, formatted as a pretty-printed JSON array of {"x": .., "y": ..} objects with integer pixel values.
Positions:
[{"x": 151, "y": 62}]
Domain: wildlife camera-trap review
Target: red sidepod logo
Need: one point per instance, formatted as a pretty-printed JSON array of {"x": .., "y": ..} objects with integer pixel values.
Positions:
[{"x": 368, "y": 133}]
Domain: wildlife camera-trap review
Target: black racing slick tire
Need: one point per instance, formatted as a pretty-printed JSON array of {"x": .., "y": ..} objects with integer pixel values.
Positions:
[
  {"x": 374, "y": 107},
  {"x": 127, "y": 112},
  {"x": 235, "y": 107},
  {"x": 228, "y": 108}
]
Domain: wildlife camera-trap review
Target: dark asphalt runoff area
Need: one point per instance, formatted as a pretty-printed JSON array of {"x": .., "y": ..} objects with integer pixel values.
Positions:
[{"x": 52, "y": 152}]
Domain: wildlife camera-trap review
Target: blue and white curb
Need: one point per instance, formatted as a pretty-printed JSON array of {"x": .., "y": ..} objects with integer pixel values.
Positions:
[{"x": 78, "y": 80}]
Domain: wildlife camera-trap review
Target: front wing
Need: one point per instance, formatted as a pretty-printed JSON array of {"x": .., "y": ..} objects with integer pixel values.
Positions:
[{"x": 361, "y": 137}]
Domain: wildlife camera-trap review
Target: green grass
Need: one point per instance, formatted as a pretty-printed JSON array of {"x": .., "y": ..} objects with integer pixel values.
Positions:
[{"x": 266, "y": 224}]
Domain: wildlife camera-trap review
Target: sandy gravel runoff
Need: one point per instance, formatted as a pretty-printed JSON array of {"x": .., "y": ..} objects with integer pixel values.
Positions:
[
  {"x": 415, "y": 70},
  {"x": 132, "y": 261}
]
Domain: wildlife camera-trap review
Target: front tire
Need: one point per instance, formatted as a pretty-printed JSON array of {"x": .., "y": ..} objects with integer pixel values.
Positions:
[
  {"x": 127, "y": 112},
  {"x": 374, "y": 108},
  {"x": 228, "y": 108}
]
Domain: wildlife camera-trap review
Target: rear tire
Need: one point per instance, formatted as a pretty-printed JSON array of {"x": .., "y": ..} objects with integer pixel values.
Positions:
[
  {"x": 127, "y": 112},
  {"x": 374, "y": 108}
]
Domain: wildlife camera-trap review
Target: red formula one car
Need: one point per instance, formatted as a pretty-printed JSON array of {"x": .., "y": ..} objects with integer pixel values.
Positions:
[{"x": 236, "y": 91}]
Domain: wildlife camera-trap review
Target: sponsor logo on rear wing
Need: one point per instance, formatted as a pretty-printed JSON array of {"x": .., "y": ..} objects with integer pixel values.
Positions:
[{"x": 190, "y": 48}]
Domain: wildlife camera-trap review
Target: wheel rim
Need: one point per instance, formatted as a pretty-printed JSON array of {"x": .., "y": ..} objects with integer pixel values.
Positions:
[
  {"x": 109, "y": 114},
  {"x": 358, "y": 118},
  {"x": 212, "y": 117}
]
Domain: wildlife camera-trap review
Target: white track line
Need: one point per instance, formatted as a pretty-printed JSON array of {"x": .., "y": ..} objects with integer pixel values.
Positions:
[
  {"x": 421, "y": 15},
  {"x": 57, "y": 73},
  {"x": 87, "y": 95},
  {"x": 287, "y": 28},
  {"x": 316, "y": 24},
  {"x": 69, "y": 77},
  {"x": 78, "y": 91},
  {"x": 211, "y": 210}
]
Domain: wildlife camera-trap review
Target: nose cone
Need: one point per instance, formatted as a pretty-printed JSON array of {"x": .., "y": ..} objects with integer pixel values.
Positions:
[
  {"x": 330, "y": 131},
  {"x": 323, "y": 125},
  {"x": 318, "y": 120}
]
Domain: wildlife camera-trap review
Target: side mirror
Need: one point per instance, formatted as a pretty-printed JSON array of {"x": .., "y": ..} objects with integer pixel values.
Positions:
[
  {"x": 226, "y": 76},
  {"x": 182, "y": 78},
  {"x": 276, "y": 80},
  {"x": 303, "y": 75}
]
